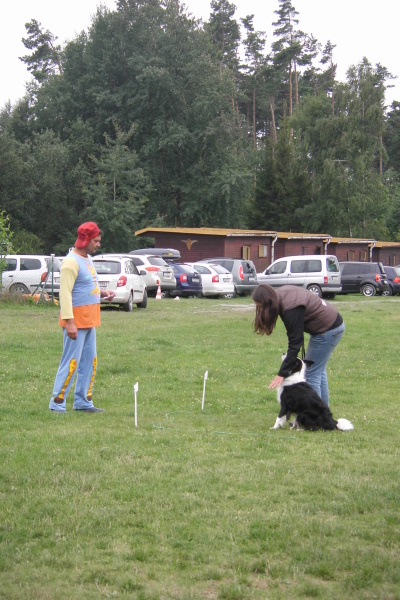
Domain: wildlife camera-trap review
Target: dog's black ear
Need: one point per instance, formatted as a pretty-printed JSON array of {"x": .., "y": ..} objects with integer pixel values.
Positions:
[{"x": 308, "y": 363}]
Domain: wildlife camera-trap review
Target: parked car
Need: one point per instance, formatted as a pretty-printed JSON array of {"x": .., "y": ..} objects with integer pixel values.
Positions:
[
  {"x": 187, "y": 281},
  {"x": 393, "y": 277},
  {"x": 120, "y": 275},
  {"x": 369, "y": 278},
  {"x": 168, "y": 254},
  {"x": 157, "y": 272},
  {"x": 216, "y": 280},
  {"x": 243, "y": 272},
  {"x": 318, "y": 273},
  {"x": 24, "y": 273}
]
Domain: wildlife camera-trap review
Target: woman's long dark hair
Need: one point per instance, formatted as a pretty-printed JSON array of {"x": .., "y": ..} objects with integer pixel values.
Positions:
[{"x": 267, "y": 309}]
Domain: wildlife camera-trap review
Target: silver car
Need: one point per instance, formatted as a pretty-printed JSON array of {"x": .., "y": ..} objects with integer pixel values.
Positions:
[
  {"x": 157, "y": 272},
  {"x": 318, "y": 273}
]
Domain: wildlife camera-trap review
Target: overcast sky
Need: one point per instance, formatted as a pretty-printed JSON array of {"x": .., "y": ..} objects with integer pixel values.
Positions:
[{"x": 358, "y": 29}]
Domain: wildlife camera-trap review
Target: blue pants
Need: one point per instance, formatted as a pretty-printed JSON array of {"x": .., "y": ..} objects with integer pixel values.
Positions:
[
  {"x": 78, "y": 358},
  {"x": 319, "y": 349}
]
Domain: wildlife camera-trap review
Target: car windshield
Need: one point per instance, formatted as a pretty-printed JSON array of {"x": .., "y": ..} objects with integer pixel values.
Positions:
[
  {"x": 220, "y": 269},
  {"x": 156, "y": 260},
  {"x": 107, "y": 267},
  {"x": 248, "y": 267},
  {"x": 332, "y": 265}
]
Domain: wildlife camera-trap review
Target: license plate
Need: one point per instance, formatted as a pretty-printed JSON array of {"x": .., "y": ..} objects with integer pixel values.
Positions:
[
  {"x": 56, "y": 280},
  {"x": 226, "y": 279},
  {"x": 167, "y": 275},
  {"x": 103, "y": 284},
  {"x": 195, "y": 280},
  {"x": 252, "y": 278}
]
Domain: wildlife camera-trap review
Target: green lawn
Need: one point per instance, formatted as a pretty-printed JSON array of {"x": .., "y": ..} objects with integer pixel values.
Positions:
[{"x": 197, "y": 504}]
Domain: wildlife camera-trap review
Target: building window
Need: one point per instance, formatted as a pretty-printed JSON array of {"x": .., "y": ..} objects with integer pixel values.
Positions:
[
  {"x": 262, "y": 251},
  {"x": 363, "y": 255},
  {"x": 350, "y": 255},
  {"x": 305, "y": 250},
  {"x": 246, "y": 252}
]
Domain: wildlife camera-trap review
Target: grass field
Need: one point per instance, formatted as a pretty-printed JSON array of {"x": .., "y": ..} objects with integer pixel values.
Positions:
[{"x": 197, "y": 504}]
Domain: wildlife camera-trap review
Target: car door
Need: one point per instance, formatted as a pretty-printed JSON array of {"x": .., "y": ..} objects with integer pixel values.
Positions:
[
  {"x": 276, "y": 275},
  {"x": 136, "y": 281},
  {"x": 298, "y": 273},
  {"x": 10, "y": 266},
  {"x": 351, "y": 278}
]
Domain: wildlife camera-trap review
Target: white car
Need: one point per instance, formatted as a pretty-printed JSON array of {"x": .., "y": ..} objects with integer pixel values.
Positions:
[
  {"x": 216, "y": 280},
  {"x": 25, "y": 273},
  {"x": 118, "y": 274}
]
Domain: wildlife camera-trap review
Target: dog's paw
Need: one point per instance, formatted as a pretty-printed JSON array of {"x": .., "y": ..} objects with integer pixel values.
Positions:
[{"x": 279, "y": 423}]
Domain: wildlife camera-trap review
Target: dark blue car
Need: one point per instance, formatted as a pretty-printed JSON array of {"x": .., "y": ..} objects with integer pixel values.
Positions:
[
  {"x": 393, "y": 277},
  {"x": 188, "y": 281}
]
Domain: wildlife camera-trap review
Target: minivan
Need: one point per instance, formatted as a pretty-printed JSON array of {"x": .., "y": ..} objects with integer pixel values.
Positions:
[
  {"x": 367, "y": 278},
  {"x": 24, "y": 273},
  {"x": 316, "y": 272}
]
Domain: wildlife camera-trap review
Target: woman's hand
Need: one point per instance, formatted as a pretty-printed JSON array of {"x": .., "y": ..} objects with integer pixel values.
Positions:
[{"x": 275, "y": 382}]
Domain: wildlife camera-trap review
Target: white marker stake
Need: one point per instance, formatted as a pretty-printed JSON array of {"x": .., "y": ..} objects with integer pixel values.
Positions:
[
  {"x": 136, "y": 389},
  {"x": 204, "y": 389}
]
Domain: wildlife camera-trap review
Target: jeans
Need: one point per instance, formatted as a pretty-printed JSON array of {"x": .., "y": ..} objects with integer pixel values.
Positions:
[
  {"x": 319, "y": 349},
  {"x": 78, "y": 358}
]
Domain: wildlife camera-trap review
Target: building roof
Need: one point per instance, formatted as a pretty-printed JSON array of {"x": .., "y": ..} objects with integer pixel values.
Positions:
[
  {"x": 229, "y": 232},
  {"x": 289, "y": 235},
  {"x": 350, "y": 240}
]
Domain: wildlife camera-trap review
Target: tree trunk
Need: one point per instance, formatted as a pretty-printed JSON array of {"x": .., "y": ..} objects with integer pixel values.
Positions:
[
  {"x": 254, "y": 117},
  {"x": 271, "y": 104}
]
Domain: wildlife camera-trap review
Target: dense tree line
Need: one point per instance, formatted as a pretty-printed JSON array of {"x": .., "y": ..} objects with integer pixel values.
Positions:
[{"x": 153, "y": 118}]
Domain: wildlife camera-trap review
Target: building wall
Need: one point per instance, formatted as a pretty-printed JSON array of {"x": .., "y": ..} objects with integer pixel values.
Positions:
[
  {"x": 261, "y": 250},
  {"x": 345, "y": 252},
  {"x": 297, "y": 247},
  {"x": 387, "y": 256},
  {"x": 192, "y": 248}
]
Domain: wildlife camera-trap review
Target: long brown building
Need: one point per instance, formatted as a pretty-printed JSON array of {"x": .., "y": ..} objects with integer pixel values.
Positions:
[{"x": 263, "y": 247}]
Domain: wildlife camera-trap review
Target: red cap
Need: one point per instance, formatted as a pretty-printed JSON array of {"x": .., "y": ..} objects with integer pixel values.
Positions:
[{"x": 86, "y": 232}]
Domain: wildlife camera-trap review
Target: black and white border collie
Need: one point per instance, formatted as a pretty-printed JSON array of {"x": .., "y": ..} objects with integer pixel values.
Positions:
[{"x": 299, "y": 398}]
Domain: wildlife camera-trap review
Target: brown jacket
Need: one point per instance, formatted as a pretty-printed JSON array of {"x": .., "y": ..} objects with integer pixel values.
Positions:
[{"x": 319, "y": 315}]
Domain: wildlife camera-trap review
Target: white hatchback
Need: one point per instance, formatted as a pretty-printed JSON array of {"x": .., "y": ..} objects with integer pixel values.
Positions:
[
  {"x": 216, "y": 280},
  {"x": 120, "y": 275}
]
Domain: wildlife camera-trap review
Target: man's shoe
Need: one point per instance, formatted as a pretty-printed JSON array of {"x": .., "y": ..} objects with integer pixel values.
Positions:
[{"x": 91, "y": 409}]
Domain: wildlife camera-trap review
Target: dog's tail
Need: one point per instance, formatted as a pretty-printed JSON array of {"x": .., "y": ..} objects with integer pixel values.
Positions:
[{"x": 344, "y": 425}]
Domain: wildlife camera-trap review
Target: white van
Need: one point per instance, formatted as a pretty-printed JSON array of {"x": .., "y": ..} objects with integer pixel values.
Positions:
[{"x": 315, "y": 272}]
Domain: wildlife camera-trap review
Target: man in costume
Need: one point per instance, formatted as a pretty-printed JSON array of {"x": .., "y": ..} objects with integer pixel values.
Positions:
[{"x": 79, "y": 316}]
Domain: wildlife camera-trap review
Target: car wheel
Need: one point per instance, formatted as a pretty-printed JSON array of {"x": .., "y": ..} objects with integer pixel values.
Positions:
[
  {"x": 388, "y": 292},
  {"x": 143, "y": 303},
  {"x": 329, "y": 295},
  {"x": 315, "y": 289},
  {"x": 230, "y": 295},
  {"x": 19, "y": 288},
  {"x": 128, "y": 306},
  {"x": 368, "y": 290}
]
